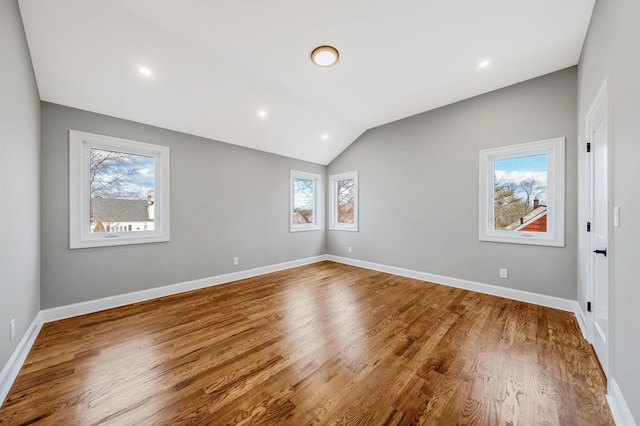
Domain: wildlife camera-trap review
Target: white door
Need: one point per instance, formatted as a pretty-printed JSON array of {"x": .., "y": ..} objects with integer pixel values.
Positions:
[{"x": 599, "y": 262}]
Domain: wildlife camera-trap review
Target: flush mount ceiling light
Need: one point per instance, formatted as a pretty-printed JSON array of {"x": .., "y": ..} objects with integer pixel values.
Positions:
[
  {"x": 484, "y": 63},
  {"x": 145, "y": 71},
  {"x": 325, "y": 56}
]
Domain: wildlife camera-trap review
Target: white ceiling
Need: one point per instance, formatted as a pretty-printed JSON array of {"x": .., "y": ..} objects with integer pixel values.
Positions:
[{"x": 216, "y": 63}]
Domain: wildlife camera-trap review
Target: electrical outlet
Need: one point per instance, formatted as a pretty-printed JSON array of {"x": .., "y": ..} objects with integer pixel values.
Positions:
[
  {"x": 349, "y": 249},
  {"x": 504, "y": 273},
  {"x": 12, "y": 329},
  {"x": 235, "y": 261}
]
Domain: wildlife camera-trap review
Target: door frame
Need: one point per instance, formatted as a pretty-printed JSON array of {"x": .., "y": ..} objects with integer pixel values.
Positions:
[{"x": 603, "y": 96}]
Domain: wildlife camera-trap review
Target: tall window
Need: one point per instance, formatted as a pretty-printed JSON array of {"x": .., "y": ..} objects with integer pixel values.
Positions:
[
  {"x": 119, "y": 191},
  {"x": 343, "y": 198},
  {"x": 522, "y": 193},
  {"x": 305, "y": 201}
]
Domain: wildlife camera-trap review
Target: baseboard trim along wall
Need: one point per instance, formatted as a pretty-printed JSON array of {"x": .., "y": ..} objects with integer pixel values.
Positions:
[
  {"x": 582, "y": 322},
  {"x": 494, "y": 290},
  {"x": 68, "y": 311},
  {"x": 619, "y": 408},
  {"x": 13, "y": 366}
]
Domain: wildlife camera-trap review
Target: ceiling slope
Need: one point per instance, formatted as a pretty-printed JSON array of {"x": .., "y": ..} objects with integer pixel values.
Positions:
[{"x": 214, "y": 65}]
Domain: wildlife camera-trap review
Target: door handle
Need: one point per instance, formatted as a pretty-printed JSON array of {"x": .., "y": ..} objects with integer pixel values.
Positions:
[{"x": 601, "y": 252}]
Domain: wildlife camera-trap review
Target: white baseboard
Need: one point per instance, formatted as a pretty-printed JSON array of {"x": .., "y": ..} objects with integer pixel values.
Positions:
[
  {"x": 13, "y": 366},
  {"x": 618, "y": 405},
  {"x": 494, "y": 290},
  {"x": 68, "y": 311},
  {"x": 582, "y": 322}
]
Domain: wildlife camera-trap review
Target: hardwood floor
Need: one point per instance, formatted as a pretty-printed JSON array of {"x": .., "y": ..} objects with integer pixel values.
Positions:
[{"x": 321, "y": 344}]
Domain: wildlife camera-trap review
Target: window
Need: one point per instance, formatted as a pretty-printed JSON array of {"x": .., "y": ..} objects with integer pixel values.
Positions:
[
  {"x": 522, "y": 193},
  {"x": 305, "y": 201},
  {"x": 343, "y": 193},
  {"x": 118, "y": 191}
]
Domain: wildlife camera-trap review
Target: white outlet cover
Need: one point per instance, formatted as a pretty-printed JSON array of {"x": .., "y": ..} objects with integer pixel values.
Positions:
[{"x": 504, "y": 273}]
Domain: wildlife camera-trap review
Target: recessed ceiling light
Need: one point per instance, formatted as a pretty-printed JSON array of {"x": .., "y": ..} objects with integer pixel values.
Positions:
[
  {"x": 325, "y": 56},
  {"x": 484, "y": 63},
  {"x": 325, "y": 136},
  {"x": 262, "y": 113},
  {"x": 145, "y": 71}
]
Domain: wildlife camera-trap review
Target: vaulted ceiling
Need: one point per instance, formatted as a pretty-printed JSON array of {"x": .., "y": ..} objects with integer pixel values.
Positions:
[{"x": 215, "y": 65}]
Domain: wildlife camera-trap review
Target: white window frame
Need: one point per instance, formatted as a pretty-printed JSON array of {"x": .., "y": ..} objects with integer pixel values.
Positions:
[
  {"x": 317, "y": 201},
  {"x": 333, "y": 202},
  {"x": 555, "y": 150},
  {"x": 80, "y": 145}
]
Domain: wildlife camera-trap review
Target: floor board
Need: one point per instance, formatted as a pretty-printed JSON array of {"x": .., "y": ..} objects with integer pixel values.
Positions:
[{"x": 321, "y": 344}]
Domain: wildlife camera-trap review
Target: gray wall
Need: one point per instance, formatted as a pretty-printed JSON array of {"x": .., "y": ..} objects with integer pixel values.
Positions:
[
  {"x": 19, "y": 182},
  {"x": 418, "y": 182},
  {"x": 226, "y": 201},
  {"x": 611, "y": 50}
]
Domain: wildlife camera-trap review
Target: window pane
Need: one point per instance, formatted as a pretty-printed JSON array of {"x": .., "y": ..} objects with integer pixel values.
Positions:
[
  {"x": 520, "y": 194},
  {"x": 303, "y": 201},
  {"x": 122, "y": 191},
  {"x": 346, "y": 202}
]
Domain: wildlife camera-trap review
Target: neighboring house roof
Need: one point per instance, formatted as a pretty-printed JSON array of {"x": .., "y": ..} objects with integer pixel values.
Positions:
[
  {"x": 534, "y": 221},
  {"x": 119, "y": 210},
  {"x": 537, "y": 225}
]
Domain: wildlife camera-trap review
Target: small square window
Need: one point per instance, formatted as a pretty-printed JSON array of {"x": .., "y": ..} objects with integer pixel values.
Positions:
[
  {"x": 522, "y": 193},
  {"x": 343, "y": 199},
  {"x": 119, "y": 191},
  {"x": 305, "y": 201}
]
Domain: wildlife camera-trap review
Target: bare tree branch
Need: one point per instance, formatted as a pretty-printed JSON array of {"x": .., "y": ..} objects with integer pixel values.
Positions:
[{"x": 108, "y": 172}]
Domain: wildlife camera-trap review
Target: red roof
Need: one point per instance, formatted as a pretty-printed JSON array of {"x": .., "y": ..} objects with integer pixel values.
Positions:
[{"x": 537, "y": 225}]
